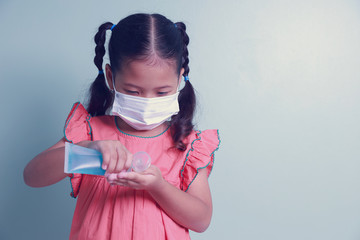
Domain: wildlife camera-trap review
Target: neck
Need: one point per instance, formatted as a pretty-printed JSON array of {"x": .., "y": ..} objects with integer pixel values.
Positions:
[{"x": 123, "y": 126}]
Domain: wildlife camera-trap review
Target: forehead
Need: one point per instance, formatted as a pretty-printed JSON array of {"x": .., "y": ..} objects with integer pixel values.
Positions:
[{"x": 160, "y": 70}]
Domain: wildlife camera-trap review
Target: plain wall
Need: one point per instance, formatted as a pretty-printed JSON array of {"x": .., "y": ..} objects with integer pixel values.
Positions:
[{"x": 280, "y": 79}]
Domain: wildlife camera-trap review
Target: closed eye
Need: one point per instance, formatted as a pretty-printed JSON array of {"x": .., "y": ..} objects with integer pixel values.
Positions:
[
  {"x": 132, "y": 92},
  {"x": 162, "y": 93}
]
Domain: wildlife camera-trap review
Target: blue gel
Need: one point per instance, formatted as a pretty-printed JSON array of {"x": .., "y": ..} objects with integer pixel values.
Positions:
[{"x": 82, "y": 160}]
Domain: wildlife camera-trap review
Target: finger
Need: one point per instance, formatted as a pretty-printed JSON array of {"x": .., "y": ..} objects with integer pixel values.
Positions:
[
  {"x": 129, "y": 176},
  {"x": 151, "y": 170},
  {"x": 121, "y": 159},
  {"x": 113, "y": 160},
  {"x": 121, "y": 182},
  {"x": 106, "y": 160},
  {"x": 111, "y": 177},
  {"x": 129, "y": 158},
  {"x": 127, "y": 183}
]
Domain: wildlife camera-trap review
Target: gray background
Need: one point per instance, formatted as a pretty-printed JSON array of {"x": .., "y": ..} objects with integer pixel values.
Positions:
[{"x": 280, "y": 79}]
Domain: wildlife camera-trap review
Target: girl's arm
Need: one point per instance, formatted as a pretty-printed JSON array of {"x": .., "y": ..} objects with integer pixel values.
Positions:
[
  {"x": 191, "y": 209},
  {"x": 46, "y": 168}
]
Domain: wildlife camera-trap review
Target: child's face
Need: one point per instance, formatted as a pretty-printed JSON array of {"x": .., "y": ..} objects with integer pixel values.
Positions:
[{"x": 139, "y": 78}]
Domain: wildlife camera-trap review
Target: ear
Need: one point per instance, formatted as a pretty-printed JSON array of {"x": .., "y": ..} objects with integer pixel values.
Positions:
[
  {"x": 109, "y": 76},
  {"x": 182, "y": 70}
]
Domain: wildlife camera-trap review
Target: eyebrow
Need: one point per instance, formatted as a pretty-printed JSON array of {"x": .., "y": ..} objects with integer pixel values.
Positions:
[
  {"x": 131, "y": 85},
  {"x": 166, "y": 86},
  {"x": 135, "y": 86}
]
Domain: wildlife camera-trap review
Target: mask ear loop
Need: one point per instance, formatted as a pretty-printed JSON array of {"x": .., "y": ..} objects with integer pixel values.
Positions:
[{"x": 113, "y": 82}]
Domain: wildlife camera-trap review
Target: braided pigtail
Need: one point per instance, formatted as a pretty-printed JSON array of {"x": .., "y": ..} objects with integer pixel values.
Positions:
[
  {"x": 181, "y": 124},
  {"x": 100, "y": 96}
]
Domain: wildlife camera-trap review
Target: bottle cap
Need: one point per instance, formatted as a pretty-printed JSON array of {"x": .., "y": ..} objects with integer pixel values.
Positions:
[{"x": 141, "y": 161}]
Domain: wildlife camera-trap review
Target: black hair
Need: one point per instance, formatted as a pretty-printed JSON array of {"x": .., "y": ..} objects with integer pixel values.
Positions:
[{"x": 139, "y": 37}]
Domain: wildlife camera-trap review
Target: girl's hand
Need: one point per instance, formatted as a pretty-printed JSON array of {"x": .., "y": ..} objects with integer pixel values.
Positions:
[
  {"x": 115, "y": 156},
  {"x": 149, "y": 180}
]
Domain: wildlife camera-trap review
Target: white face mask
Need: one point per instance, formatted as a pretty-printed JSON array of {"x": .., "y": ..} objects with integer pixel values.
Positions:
[{"x": 144, "y": 113}]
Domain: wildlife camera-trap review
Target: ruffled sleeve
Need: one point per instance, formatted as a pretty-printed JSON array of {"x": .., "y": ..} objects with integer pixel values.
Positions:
[
  {"x": 77, "y": 128},
  {"x": 199, "y": 156}
]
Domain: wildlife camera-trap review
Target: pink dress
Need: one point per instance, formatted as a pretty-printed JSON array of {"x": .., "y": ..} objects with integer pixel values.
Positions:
[{"x": 115, "y": 212}]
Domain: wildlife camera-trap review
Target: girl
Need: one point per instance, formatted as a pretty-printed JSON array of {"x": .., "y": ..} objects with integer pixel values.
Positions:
[{"x": 137, "y": 107}]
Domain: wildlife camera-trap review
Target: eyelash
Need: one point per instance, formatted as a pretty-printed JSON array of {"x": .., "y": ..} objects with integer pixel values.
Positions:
[
  {"x": 132, "y": 92},
  {"x": 137, "y": 93}
]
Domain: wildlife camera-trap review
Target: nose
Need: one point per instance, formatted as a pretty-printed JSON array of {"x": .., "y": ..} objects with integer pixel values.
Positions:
[{"x": 148, "y": 95}]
